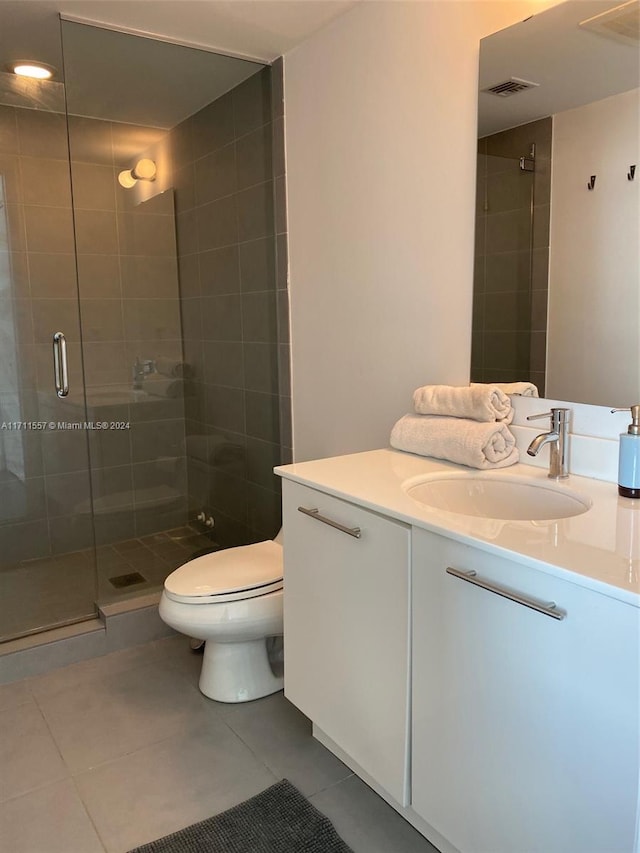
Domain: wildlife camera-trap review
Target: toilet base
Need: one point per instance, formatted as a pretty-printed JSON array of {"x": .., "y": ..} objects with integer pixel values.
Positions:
[{"x": 237, "y": 672}]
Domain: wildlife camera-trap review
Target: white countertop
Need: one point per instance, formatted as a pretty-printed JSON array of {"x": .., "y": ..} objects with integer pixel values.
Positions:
[{"x": 599, "y": 549}]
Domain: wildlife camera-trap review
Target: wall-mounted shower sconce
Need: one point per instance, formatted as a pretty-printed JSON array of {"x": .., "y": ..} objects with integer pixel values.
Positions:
[
  {"x": 592, "y": 182},
  {"x": 144, "y": 170},
  {"x": 631, "y": 174}
]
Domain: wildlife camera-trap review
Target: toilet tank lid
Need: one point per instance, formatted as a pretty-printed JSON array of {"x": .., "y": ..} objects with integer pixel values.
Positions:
[{"x": 231, "y": 570}]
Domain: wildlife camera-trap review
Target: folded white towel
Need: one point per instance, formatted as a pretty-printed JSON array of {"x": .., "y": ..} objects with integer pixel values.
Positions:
[
  {"x": 522, "y": 389},
  {"x": 478, "y": 402},
  {"x": 472, "y": 443}
]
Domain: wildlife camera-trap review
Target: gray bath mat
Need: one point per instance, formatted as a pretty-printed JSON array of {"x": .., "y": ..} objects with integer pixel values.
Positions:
[{"x": 279, "y": 820}]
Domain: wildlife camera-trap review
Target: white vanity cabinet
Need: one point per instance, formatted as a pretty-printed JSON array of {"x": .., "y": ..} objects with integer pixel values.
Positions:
[
  {"x": 346, "y": 626},
  {"x": 524, "y": 727}
]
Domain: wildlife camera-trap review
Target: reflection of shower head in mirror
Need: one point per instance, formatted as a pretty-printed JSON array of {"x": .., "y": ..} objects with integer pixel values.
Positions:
[{"x": 538, "y": 289}]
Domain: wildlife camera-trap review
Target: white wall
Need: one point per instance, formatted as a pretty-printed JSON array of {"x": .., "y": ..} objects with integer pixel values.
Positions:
[
  {"x": 594, "y": 294},
  {"x": 381, "y": 141}
]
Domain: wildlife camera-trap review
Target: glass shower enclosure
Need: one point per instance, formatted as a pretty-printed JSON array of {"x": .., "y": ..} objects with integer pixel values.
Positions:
[{"x": 120, "y": 212}]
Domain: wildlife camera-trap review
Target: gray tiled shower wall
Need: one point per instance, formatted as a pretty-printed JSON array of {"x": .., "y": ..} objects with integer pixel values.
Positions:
[
  {"x": 512, "y": 256},
  {"x": 218, "y": 300},
  {"x": 228, "y": 162}
]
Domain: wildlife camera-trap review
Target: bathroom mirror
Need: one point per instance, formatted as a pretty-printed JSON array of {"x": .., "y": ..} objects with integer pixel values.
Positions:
[{"x": 557, "y": 277}]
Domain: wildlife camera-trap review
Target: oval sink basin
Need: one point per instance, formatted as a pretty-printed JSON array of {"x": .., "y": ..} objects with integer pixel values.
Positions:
[{"x": 504, "y": 498}]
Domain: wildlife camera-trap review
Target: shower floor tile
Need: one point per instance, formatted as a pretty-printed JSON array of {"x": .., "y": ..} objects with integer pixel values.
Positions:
[
  {"x": 66, "y": 589},
  {"x": 66, "y": 583},
  {"x": 143, "y": 754}
]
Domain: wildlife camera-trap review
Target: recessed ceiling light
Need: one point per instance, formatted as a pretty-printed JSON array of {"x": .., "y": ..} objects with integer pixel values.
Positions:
[{"x": 28, "y": 68}]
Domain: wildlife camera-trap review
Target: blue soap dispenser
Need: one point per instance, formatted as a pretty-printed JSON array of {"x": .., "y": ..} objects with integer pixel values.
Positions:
[{"x": 629, "y": 465}]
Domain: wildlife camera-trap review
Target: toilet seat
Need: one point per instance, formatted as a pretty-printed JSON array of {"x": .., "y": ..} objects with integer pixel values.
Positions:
[{"x": 238, "y": 573}]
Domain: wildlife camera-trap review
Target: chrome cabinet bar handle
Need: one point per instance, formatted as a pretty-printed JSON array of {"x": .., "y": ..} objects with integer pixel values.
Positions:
[
  {"x": 315, "y": 513},
  {"x": 471, "y": 577},
  {"x": 60, "y": 369}
]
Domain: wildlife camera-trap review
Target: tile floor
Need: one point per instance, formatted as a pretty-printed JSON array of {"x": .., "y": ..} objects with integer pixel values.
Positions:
[
  {"x": 109, "y": 753},
  {"x": 70, "y": 584}
]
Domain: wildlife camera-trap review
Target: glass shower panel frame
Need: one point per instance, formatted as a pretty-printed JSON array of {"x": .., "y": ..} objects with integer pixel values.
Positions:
[{"x": 47, "y": 551}]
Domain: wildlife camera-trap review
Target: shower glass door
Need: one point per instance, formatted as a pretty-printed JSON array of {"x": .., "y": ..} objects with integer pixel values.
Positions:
[
  {"x": 47, "y": 551},
  {"x": 136, "y": 374},
  {"x": 171, "y": 164}
]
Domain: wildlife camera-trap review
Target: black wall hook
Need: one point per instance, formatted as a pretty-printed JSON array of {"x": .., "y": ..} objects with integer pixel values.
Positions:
[
  {"x": 631, "y": 173},
  {"x": 591, "y": 183}
]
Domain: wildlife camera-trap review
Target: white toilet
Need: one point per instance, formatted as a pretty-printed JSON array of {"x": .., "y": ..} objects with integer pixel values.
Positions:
[{"x": 232, "y": 599}]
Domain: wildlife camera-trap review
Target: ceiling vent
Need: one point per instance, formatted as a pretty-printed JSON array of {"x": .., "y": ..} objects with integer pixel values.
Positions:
[
  {"x": 621, "y": 23},
  {"x": 510, "y": 87}
]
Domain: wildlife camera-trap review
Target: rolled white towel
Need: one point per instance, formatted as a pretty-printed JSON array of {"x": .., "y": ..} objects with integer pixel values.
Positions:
[
  {"x": 472, "y": 443},
  {"x": 478, "y": 402},
  {"x": 522, "y": 389}
]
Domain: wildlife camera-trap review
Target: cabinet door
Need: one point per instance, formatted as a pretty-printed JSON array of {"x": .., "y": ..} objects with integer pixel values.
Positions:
[
  {"x": 346, "y": 612},
  {"x": 525, "y": 728}
]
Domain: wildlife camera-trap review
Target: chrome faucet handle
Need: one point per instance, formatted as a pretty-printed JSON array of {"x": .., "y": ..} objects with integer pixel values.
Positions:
[{"x": 555, "y": 413}]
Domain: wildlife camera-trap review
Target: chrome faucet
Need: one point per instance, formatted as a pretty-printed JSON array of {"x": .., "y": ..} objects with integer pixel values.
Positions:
[
  {"x": 140, "y": 370},
  {"x": 557, "y": 441}
]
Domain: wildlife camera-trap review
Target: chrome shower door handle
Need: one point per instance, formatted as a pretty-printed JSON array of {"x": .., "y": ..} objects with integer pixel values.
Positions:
[{"x": 60, "y": 369}]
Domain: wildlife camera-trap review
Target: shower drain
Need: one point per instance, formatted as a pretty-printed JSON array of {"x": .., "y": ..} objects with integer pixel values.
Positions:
[{"x": 131, "y": 579}]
